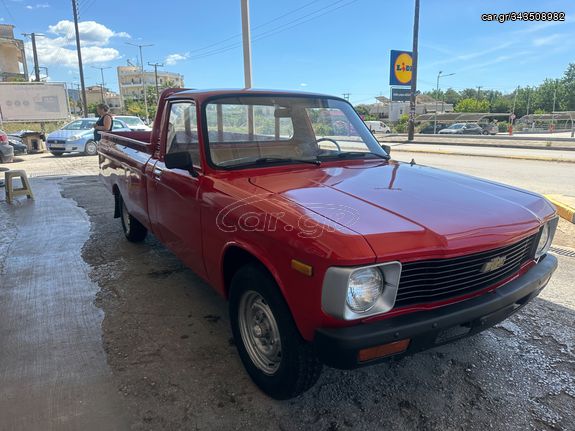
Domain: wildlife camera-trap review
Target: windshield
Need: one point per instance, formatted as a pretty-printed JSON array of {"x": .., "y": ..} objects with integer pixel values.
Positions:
[
  {"x": 456, "y": 126},
  {"x": 275, "y": 129},
  {"x": 132, "y": 121},
  {"x": 80, "y": 125}
]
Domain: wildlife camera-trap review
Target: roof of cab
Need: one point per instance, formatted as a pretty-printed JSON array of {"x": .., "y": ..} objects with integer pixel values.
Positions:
[{"x": 202, "y": 95}]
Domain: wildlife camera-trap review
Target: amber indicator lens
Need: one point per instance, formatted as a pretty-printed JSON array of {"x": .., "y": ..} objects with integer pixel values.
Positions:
[{"x": 383, "y": 350}]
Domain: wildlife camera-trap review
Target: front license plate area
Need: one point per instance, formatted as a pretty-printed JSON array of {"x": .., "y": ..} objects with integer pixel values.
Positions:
[{"x": 452, "y": 333}]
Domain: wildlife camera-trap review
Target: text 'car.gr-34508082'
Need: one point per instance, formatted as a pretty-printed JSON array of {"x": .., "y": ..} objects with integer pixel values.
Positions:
[{"x": 328, "y": 251}]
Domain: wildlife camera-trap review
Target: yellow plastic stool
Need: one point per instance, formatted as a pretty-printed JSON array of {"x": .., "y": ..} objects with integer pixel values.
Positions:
[{"x": 11, "y": 192}]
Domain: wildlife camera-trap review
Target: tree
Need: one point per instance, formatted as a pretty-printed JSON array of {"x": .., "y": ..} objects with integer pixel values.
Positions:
[
  {"x": 362, "y": 109},
  {"x": 472, "y": 105},
  {"x": 452, "y": 96}
]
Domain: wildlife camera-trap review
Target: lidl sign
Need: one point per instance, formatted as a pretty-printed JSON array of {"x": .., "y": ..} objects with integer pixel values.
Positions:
[{"x": 401, "y": 67}]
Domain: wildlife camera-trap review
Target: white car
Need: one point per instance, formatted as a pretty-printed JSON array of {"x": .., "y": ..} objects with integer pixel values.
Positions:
[
  {"x": 378, "y": 127},
  {"x": 134, "y": 123}
]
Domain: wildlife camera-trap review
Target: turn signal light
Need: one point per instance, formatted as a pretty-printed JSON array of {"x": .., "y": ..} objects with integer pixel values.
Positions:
[{"x": 384, "y": 350}]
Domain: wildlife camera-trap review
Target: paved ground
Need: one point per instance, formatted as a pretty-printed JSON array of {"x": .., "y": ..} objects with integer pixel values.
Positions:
[{"x": 167, "y": 341}]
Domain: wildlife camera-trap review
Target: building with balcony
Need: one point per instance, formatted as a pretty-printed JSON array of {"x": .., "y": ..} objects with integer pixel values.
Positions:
[
  {"x": 13, "y": 66},
  {"x": 130, "y": 81},
  {"x": 95, "y": 94}
]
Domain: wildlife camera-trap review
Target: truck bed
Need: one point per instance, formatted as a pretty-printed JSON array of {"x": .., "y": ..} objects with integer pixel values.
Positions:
[
  {"x": 136, "y": 140},
  {"x": 124, "y": 157}
]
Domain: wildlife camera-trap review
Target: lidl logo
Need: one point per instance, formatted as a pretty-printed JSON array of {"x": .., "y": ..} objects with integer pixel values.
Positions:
[{"x": 401, "y": 68}]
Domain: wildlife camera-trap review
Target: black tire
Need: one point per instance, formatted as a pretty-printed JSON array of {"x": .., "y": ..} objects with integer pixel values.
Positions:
[
  {"x": 56, "y": 154},
  {"x": 91, "y": 148},
  {"x": 297, "y": 367},
  {"x": 133, "y": 229}
]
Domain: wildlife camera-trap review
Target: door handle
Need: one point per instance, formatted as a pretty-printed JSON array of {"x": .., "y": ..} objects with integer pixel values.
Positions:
[{"x": 157, "y": 173}]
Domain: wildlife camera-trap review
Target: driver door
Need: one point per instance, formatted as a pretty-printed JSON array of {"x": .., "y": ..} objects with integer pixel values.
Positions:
[{"x": 176, "y": 192}]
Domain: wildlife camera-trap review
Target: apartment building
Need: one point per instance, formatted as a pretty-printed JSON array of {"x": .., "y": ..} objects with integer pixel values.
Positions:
[
  {"x": 12, "y": 57},
  {"x": 130, "y": 81}
]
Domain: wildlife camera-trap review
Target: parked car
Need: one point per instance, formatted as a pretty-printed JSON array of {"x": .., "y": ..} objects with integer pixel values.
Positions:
[
  {"x": 463, "y": 129},
  {"x": 378, "y": 127},
  {"x": 328, "y": 251},
  {"x": 78, "y": 137},
  {"x": 430, "y": 128},
  {"x": 6, "y": 150},
  {"x": 134, "y": 123},
  {"x": 490, "y": 128},
  {"x": 16, "y": 143}
]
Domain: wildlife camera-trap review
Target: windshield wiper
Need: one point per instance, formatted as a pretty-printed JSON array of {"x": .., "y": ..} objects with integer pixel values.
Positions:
[
  {"x": 263, "y": 160},
  {"x": 361, "y": 154}
]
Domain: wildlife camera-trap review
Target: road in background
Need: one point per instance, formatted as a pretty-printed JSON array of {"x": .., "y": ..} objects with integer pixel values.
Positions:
[{"x": 538, "y": 176}]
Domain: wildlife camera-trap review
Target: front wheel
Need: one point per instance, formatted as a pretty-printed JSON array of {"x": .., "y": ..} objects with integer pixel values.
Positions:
[
  {"x": 273, "y": 352},
  {"x": 91, "y": 148},
  {"x": 133, "y": 229}
]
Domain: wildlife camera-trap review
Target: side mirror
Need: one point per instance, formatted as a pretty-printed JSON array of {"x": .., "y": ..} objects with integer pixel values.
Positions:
[
  {"x": 180, "y": 160},
  {"x": 386, "y": 148}
]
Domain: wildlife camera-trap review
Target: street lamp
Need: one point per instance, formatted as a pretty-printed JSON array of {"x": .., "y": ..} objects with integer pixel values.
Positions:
[
  {"x": 439, "y": 75},
  {"x": 142, "y": 74}
]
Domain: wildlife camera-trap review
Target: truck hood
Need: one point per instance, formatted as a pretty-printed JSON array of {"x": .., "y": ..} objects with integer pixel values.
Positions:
[
  {"x": 67, "y": 134},
  {"x": 403, "y": 209}
]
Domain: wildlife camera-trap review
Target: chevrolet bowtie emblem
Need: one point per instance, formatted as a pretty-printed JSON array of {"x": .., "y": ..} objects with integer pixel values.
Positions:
[{"x": 493, "y": 264}]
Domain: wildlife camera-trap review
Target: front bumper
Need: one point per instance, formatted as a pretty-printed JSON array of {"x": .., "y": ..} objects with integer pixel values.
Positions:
[{"x": 339, "y": 347}]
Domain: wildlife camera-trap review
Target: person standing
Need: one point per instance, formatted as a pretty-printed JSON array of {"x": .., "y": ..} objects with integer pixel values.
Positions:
[{"x": 104, "y": 123}]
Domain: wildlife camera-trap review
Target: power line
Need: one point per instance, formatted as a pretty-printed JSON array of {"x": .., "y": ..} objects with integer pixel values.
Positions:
[
  {"x": 287, "y": 26},
  {"x": 8, "y": 11},
  {"x": 236, "y": 36}
]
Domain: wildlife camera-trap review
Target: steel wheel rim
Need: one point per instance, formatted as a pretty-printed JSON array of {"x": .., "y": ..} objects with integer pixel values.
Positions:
[
  {"x": 91, "y": 148},
  {"x": 125, "y": 218},
  {"x": 260, "y": 333}
]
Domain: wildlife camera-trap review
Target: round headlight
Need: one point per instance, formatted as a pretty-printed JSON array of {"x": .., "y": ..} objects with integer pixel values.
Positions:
[
  {"x": 364, "y": 288},
  {"x": 543, "y": 244}
]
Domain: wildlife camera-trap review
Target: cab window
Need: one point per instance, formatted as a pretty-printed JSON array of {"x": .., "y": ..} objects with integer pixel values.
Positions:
[{"x": 182, "y": 132}]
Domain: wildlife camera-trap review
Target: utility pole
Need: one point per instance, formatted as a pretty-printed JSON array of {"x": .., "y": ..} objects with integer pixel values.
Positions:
[
  {"x": 478, "y": 92},
  {"x": 102, "y": 83},
  {"x": 554, "y": 99},
  {"x": 411, "y": 124},
  {"x": 528, "y": 99},
  {"x": 515, "y": 100},
  {"x": 346, "y": 96},
  {"x": 156, "y": 65},
  {"x": 35, "y": 55},
  {"x": 84, "y": 103},
  {"x": 142, "y": 74},
  {"x": 247, "y": 43}
]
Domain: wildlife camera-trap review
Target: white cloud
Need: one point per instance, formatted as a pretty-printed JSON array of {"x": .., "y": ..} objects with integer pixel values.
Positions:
[
  {"x": 38, "y": 6},
  {"x": 175, "y": 58},
  {"x": 546, "y": 40},
  {"x": 303, "y": 84},
  {"x": 91, "y": 32},
  {"x": 61, "y": 49}
]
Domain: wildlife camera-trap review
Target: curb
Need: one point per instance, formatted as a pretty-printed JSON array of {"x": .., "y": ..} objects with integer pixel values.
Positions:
[
  {"x": 488, "y": 145},
  {"x": 460, "y": 153},
  {"x": 564, "y": 210}
]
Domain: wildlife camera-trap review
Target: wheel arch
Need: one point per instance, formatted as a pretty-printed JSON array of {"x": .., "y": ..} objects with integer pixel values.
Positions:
[
  {"x": 117, "y": 200},
  {"x": 235, "y": 256}
]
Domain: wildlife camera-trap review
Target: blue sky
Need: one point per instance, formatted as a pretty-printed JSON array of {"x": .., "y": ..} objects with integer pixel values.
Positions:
[{"x": 329, "y": 46}]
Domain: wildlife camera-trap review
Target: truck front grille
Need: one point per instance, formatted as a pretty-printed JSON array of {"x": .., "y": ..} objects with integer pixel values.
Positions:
[{"x": 439, "y": 279}]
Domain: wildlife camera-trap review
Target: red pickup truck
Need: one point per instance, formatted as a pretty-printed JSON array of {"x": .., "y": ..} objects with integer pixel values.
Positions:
[{"x": 328, "y": 251}]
